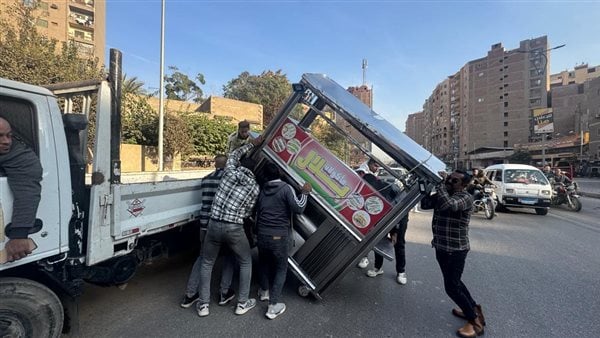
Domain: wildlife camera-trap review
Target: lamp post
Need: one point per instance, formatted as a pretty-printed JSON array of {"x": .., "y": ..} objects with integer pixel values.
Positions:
[{"x": 161, "y": 109}]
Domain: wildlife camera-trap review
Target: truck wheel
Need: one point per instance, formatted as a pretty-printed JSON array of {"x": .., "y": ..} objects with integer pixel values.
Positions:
[
  {"x": 541, "y": 211},
  {"x": 29, "y": 309}
]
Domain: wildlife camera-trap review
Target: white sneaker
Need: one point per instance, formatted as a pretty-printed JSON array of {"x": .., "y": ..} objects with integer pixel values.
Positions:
[
  {"x": 245, "y": 306},
  {"x": 374, "y": 272},
  {"x": 364, "y": 262},
  {"x": 275, "y": 310},
  {"x": 263, "y": 295},
  {"x": 401, "y": 279},
  {"x": 202, "y": 310}
]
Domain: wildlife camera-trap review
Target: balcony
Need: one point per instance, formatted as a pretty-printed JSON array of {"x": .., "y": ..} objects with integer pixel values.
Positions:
[{"x": 85, "y": 4}]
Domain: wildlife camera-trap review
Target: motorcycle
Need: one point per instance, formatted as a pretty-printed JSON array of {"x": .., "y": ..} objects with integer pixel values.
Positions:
[
  {"x": 485, "y": 201},
  {"x": 564, "y": 194}
]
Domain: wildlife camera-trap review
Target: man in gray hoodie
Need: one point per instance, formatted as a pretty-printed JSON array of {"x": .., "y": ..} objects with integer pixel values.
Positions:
[{"x": 276, "y": 203}]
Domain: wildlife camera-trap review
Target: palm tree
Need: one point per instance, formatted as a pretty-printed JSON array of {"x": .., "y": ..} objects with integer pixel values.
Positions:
[{"x": 132, "y": 85}]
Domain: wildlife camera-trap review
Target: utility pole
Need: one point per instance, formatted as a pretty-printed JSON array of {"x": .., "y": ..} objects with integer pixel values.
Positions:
[{"x": 364, "y": 71}]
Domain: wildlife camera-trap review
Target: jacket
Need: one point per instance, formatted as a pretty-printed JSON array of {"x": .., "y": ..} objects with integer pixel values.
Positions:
[{"x": 276, "y": 203}]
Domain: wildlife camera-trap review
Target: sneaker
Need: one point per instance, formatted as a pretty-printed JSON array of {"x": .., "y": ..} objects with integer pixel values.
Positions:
[
  {"x": 374, "y": 272},
  {"x": 189, "y": 301},
  {"x": 226, "y": 297},
  {"x": 401, "y": 279},
  {"x": 275, "y": 310},
  {"x": 263, "y": 295},
  {"x": 203, "y": 310},
  {"x": 364, "y": 262},
  {"x": 245, "y": 306}
]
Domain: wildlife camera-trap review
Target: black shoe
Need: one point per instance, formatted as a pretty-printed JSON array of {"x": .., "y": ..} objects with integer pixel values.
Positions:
[
  {"x": 226, "y": 297},
  {"x": 188, "y": 301}
]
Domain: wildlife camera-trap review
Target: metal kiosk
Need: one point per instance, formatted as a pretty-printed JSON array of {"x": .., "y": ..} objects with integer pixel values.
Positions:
[{"x": 345, "y": 217}]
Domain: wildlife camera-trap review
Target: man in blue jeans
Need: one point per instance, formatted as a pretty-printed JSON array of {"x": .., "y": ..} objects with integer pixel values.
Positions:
[
  {"x": 208, "y": 189},
  {"x": 234, "y": 200},
  {"x": 276, "y": 204}
]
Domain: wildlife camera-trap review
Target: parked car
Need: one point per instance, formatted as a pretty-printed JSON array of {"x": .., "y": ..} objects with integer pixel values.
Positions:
[
  {"x": 520, "y": 186},
  {"x": 386, "y": 177}
]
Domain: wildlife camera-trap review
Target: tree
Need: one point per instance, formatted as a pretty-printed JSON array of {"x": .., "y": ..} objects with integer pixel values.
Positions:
[
  {"x": 180, "y": 87},
  {"x": 270, "y": 89},
  {"x": 520, "y": 157},
  {"x": 132, "y": 85},
  {"x": 209, "y": 135},
  {"x": 27, "y": 56}
]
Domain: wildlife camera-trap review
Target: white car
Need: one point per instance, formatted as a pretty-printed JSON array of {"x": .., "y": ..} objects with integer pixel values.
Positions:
[{"x": 520, "y": 186}]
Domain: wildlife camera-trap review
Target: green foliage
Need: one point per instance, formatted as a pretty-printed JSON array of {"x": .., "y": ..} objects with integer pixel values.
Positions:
[
  {"x": 209, "y": 136},
  {"x": 27, "y": 56},
  {"x": 330, "y": 138},
  {"x": 139, "y": 122},
  {"x": 270, "y": 89},
  {"x": 520, "y": 157},
  {"x": 132, "y": 85},
  {"x": 180, "y": 87}
]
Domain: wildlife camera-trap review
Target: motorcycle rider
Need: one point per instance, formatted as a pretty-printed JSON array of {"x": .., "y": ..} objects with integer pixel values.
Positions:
[{"x": 479, "y": 181}]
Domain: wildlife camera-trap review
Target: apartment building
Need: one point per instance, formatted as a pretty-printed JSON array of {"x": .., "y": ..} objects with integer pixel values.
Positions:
[
  {"x": 414, "y": 127},
  {"x": 363, "y": 93},
  {"x": 83, "y": 21},
  {"x": 592, "y": 88},
  {"x": 578, "y": 75}
]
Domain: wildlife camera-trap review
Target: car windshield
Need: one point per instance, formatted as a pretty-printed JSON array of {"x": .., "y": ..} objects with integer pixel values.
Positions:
[{"x": 527, "y": 176}]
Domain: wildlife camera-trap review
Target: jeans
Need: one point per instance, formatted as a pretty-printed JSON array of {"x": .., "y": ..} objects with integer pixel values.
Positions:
[
  {"x": 233, "y": 236},
  {"x": 452, "y": 265},
  {"x": 226, "y": 273},
  {"x": 398, "y": 250},
  {"x": 272, "y": 264}
]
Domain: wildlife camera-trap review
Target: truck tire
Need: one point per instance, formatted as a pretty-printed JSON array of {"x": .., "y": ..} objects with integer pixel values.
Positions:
[{"x": 29, "y": 309}]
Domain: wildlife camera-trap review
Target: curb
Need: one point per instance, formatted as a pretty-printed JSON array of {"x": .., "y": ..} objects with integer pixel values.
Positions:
[{"x": 589, "y": 194}]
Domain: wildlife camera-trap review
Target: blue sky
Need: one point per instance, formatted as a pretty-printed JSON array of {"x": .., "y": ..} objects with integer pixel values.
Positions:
[{"x": 411, "y": 46}]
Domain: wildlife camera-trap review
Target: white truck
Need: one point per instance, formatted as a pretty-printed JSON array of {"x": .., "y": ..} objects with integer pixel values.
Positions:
[{"x": 96, "y": 229}]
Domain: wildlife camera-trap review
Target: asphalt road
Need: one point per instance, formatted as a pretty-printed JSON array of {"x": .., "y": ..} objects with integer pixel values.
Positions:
[{"x": 536, "y": 276}]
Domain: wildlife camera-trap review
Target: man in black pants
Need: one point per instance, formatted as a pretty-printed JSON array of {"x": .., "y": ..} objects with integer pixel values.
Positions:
[{"x": 450, "y": 225}]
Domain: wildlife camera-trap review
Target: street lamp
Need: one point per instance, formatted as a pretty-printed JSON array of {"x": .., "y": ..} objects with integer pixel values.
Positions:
[{"x": 542, "y": 53}]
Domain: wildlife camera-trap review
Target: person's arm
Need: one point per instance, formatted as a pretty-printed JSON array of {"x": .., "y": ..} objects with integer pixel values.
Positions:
[
  {"x": 455, "y": 202},
  {"x": 297, "y": 205}
]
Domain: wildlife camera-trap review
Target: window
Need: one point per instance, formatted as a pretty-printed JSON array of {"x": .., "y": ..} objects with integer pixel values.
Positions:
[
  {"x": 29, "y": 3},
  {"x": 505, "y": 144},
  {"x": 505, "y": 104},
  {"x": 481, "y": 74},
  {"x": 506, "y": 124},
  {"x": 21, "y": 115},
  {"x": 43, "y": 5},
  {"x": 42, "y": 23},
  {"x": 505, "y": 114},
  {"x": 505, "y": 134},
  {"x": 480, "y": 99}
]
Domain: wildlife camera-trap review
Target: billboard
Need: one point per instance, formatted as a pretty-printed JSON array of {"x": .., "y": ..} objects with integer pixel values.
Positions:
[
  {"x": 543, "y": 121},
  {"x": 333, "y": 180}
]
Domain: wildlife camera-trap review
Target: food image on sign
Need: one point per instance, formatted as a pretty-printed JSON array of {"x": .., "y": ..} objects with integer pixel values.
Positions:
[
  {"x": 355, "y": 201},
  {"x": 293, "y": 146},
  {"x": 338, "y": 185},
  {"x": 279, "y": 144},
  {"x": 361, "y": 219},
  {"x": 374, "y": 205},
  {"x": 288, "y": 131}
]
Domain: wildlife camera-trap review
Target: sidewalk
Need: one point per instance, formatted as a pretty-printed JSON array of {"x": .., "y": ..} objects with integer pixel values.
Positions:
[{"x": 589, "y": 187}]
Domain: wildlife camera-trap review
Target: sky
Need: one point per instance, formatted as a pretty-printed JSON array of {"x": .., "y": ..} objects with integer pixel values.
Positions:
[{"x": 411, "y": 46}]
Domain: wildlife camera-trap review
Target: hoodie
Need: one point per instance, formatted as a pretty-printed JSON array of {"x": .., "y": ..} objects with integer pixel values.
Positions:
[{"x": 276, "y": 203}]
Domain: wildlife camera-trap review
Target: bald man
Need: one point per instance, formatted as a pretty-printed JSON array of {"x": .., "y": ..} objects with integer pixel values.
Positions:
[{"x": 23, "y": 171}]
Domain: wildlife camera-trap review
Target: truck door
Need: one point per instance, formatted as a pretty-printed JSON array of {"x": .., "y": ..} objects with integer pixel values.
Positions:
[{"x": 33, "y": 124}]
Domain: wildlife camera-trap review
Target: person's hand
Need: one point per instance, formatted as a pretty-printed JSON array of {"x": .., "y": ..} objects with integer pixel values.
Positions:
[
  {"x": 256, "y": 141},
  {"x": 394, "y": 238},
  {"x": 17, "y": 249},
  {"x": 306, "y": 188},
  {"x": 443, "y": 174}
]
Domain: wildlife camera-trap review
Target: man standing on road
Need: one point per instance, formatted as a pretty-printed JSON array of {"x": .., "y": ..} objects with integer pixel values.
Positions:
[
  {"x": 450, "y": 225},
  {"x": 234, "y": 200},
  {"x": 369, "y": 167},
  {"x": 208, "y": 188},
  {"x": 240, "y": 137},
  {"x": 24, "y": 174},
  {"x": 276, "y": 204}
]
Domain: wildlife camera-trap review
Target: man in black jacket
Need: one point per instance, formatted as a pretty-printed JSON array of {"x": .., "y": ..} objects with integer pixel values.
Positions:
[
  {"x": 24, "y": 174},
  {"x": 276, "y": 203}
]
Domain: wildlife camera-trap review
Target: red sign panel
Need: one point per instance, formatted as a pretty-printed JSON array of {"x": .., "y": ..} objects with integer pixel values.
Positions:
[{"x": 333, "y": 180}]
